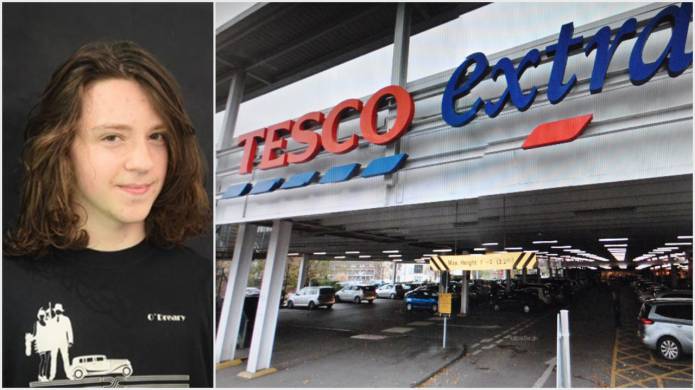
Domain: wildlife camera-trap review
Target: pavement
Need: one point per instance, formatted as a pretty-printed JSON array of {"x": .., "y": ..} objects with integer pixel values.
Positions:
[{"x": 381, "y": 345}]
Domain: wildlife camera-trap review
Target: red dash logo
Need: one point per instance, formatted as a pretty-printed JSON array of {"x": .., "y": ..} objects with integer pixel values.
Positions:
[{"x": 564, "y": 130}]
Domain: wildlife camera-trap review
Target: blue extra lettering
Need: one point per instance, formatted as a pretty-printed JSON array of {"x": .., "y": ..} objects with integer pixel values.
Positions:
[
  {"x": 453, "y": 92},
  {"x": 519, "y": 99},
  {"x": 557, "y": 90},
  {"x": 601, "y": 42},
  {"x": 679, "y": 60}
]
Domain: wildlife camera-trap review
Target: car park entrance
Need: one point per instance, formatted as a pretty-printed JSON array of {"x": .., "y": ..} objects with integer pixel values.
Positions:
[{"x": 602, "y": 198}]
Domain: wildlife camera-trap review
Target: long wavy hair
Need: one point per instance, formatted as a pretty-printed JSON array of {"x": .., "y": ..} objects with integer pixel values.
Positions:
[{"x": 48, "y": 218}]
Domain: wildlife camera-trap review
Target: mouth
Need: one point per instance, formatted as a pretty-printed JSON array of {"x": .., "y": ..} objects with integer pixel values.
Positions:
[{"x": 135, "y": 189}]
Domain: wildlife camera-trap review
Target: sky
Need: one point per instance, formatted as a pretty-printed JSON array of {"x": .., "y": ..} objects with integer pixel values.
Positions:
[{"x": 432, "y": 51}]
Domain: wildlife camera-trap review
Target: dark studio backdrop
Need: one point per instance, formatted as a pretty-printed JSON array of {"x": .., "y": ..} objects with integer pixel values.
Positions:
[{"x": 37, "y": 38}]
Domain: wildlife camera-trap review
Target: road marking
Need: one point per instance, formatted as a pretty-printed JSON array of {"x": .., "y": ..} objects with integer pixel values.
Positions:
[
  {"x": 546, "y": 374},
  {"x": 489, "y": 346},
  {"x": 324, "y": 328},
  {"x": 397, "y": 329},
  {"x": 476, "y": 352},
  {"x": 475, "y": 326},
  {"x": 369, "y": 337},
  {"x": 474, "y": 345},
  {"x": 486, "y": 340},
  {"x": 420, "y": 323}
]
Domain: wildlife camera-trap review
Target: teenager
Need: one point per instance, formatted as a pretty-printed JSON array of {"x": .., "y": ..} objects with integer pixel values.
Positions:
[{"x": 113, "y": 186}]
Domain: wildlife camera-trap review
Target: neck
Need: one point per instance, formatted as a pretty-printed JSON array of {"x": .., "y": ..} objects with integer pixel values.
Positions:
[{"x": 114, "y": 238}]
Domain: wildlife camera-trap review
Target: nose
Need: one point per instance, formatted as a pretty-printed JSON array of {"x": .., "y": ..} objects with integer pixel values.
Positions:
[{"x": 139, "y": 157}]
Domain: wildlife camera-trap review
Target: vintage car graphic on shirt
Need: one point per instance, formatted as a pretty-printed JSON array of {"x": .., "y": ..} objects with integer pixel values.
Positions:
[{"x": 91, "y": 365}]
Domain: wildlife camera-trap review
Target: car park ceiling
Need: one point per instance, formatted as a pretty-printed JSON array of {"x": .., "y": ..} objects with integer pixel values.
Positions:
[
  {"x": 276, "y": 44},
  {"x": 650, "y": 213}
]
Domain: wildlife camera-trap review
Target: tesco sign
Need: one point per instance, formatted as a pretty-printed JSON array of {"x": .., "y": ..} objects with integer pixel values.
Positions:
[
  {"x": 470, "y": 73},
  {"x": 274, "y": 139},
  {"x": 604, "y": 43}
]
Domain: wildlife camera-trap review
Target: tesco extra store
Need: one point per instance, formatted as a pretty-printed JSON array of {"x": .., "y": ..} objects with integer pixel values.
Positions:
[{"x": 576, "y": 134}]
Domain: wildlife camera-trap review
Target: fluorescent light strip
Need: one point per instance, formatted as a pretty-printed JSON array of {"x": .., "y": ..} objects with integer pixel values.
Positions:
[
  {"x": 545, "y": 242},
  {"x": 395, "y": 255},
  {"x": 490, "y": 244},
  {"x": 513, "y": 248},
  {"x": 561, "y": 247},
  {"x": 480, "y": 249},
  {"x": 391, "y": 251},
  {"x": 679, "y": 243},
  {"x": 441, "y": 250},
  {"x": 338, "y": 257},
  {"x": 319, "y": 253},
  {"x": 365, "y": 256},
  {"x": 685, "y": 237},
  {"x": 352, "y": 252},
  {"x": 611, "y": 239},
  {"x": 615, "y": 245},
  {"x": 293, "y": 254}
]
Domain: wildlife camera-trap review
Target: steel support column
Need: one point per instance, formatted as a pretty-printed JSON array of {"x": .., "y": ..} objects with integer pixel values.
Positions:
[
  {"x": 231, "y": 110},
  {"x": 508, "y": 280},
  {"x": 464, "y": 293},
  {"x": 233, "y": 304},
  {"x": 395, "y": 271},
  {"x": 268, "y": 304},
  {"x": 303, "y": 268}
]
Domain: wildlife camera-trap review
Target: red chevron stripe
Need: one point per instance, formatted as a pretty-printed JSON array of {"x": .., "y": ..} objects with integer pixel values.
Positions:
[{"x": 564, "y": 130}]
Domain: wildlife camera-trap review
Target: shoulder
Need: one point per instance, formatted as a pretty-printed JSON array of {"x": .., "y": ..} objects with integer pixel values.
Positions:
[{"x": 185, "y": 260}]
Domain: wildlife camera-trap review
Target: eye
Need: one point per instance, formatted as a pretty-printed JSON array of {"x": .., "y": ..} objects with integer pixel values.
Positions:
[
  {"x": 111, "y": 138},
  {"x": 158, "y": 137}
]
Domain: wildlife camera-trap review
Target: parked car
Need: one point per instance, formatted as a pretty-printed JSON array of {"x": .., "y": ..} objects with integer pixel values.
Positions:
[
  {"x": 312, "y": 297},
  {"x": 674, "y": 294},
  {"x": 356, "y": 293},
  {"x": 666, "y": 325},
  {"x": 90, "y": 365},
  {"x": 517, "y": 300},
  {"x": 422, "y": 299},
  {"x": 541, "y": 290},
  {"x": 391, "y": 291},
  {"x": 650, "y": 292}
]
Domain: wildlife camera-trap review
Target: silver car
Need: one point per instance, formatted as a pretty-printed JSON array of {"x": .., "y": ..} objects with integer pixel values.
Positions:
[
  {"x": 666, "y": 325},
  {"x": 356, "y": 293},
  {"x": 312, "y": 297}
]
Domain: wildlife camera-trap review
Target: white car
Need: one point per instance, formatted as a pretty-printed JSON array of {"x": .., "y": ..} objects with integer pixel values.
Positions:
[
  {"x": 356, "y": 294},
  {"x": 90, "y": 365}
]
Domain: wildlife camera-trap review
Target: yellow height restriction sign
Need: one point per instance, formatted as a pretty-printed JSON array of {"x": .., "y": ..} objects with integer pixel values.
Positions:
[{"x": 445, "y": 303}]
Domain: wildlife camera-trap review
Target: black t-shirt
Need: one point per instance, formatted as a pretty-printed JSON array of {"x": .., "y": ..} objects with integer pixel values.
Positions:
[{"x": 140, "y": 316}]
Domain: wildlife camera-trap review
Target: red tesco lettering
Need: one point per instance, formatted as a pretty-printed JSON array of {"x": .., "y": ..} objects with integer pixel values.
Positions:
[{"x": 274, "y": 138}]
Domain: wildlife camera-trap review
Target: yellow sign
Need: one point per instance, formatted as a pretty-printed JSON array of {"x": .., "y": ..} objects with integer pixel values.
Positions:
[
  {"x": 445, "y": 303},
  {"x": 486, "y": 262}
]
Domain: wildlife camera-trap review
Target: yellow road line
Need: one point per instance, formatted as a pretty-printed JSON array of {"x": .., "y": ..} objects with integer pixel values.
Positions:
[{"x": 615, "y": 357}]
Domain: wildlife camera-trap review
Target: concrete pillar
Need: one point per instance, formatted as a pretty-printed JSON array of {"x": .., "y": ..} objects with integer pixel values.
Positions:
[
  {"x": 523, "y": 275},
  {"x": 263, "y": 338},
  {"x": 674, "y": 273},
  {"x": 303, "y": 271},
  {"x": 464, "y": 293},
  {"x": 231, "y": 110},
  {"x": 395, "y": 271},
  {"x": 508, "y": 280},
  {"x": 233, "y": 304}
]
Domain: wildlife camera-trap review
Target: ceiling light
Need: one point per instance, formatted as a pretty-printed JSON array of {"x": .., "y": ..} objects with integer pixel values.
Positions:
[
  {"x": 441, "y": 250},
  {"x": 365, "y": 256},
  {"x": 319, "y": 253},
  {"x": 545, "y": 242},
  {"x": 679, "y": 243},
  {"x": 513, "y": 248},
  {"x": 428, "y": 255},
  {"x": 562, "y": 247},
  {"x": 615, "y": 245},
  {"x": 685, "y": 237},
  {"x": 338, "y": 257},
  {"x": 490, "y": 244},
  {"x": 395, "y": 255},
  {"x": 293, "y": 254},
  {"x": 352, "y": 252},
  {"x": 480, "y": 249},
  {"x": 611, "y": 239},
  {"x": 391, "y": 251}
]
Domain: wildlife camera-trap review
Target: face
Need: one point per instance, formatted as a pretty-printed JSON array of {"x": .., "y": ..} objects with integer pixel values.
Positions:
[{"x": 119, "y": 155}]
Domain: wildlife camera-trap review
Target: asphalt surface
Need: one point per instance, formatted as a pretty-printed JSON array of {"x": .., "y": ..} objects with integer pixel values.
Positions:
[{"x": 485, "y": 349}]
